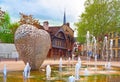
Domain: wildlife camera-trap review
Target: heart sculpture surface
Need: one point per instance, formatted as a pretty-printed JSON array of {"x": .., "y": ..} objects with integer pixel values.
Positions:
[{"x": 32, "y": 44}]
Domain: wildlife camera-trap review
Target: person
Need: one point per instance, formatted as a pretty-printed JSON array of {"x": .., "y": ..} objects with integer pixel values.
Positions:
[
  {"x": 16, "y": 59},
  {"x": 90, "y": 53}
]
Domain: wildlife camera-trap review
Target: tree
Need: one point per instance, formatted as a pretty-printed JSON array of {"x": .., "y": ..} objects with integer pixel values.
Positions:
[
  {"x": 5, "y": 22},
  {"x": 7, "y": 29},
  {"x": 100, "y": 18},
  {"x": 13, "y": 27}
]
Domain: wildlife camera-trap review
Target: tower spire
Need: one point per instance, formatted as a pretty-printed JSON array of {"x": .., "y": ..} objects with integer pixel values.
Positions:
[{"x": 64, "y": 18}]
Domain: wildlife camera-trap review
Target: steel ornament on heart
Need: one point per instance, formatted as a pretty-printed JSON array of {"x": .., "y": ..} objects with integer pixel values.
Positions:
[{"x": 32, "y": 44}]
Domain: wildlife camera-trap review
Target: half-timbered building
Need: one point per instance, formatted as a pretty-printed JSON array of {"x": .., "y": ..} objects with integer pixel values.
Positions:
[{"x": 62, "y": 39}]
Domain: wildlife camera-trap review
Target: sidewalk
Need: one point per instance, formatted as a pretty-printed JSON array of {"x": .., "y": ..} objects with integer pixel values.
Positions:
[{"x": 12, "y": 65}]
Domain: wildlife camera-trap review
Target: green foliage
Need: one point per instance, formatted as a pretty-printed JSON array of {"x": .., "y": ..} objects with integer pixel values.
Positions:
[
  {"x": 13, "y": 27},
  {"x": 5, "y": 21},
  {"x": 100, "y": 18},
  {"x": 7, "y": 37},
  {"x": 7, "y": 29}
]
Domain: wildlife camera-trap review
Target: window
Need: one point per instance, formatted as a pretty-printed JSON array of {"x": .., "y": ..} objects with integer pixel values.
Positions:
[
  {"x": 118, "y": 42},
  {"x": 113, "y": 43},
  {"x": 60, "y": 35},
  {"x": 118, "y": 34},
  {"x": 113, "y": 53},
  {"x": 114, "y": 34},
  {"x": 53, "y": 42},
  {"x": 119, "y": 53},
  {"x": 110, "y": 35}
]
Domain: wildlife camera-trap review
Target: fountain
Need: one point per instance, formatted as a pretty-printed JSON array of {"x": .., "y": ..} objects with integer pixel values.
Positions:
[
  {"x": 69, "y": 64},
  {"x": 48, "y": 72},
  {"x": 60, "y": 65},
  {"x": 77, "y": 68},
  {"x": 5, "y": 71},
  {"x": 95, "y": 62},
  {"x": 82, "y": 75},
  {"x": 79, "y": 60},
  {"x": 105, "y": 49},
  {"x": 71, "y": 79},
  {"x": 108, "y": 57},
  {"x": 86, "y": 72},
  {"x": 111, "y": 44},
  {"x": 26, "y": 73},
  {"x": 108, "y": 65},
  {"x": 95, "y": 54},
  {"x": 88, "y": 45},
  {"x": 69, "y": 59}
]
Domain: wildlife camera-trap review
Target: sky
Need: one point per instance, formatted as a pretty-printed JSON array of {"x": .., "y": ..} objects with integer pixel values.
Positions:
[{"x": 45, "y": 10}]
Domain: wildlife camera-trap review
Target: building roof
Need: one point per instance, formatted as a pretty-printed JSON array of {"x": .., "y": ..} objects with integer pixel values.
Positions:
[
  {"x": 68, "y": 24},
  {"x": 54, "y": 29}
]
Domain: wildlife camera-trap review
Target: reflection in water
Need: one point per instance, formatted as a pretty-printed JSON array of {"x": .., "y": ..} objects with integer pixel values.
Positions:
[
  {"x": 4, "y": 78},
  {"x": 95, "y": 78},
  {"x": 25, "y": 80}
]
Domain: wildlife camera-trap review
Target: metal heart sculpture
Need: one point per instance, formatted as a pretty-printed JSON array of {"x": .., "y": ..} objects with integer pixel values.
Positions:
[{"x": 32, "y": 44}]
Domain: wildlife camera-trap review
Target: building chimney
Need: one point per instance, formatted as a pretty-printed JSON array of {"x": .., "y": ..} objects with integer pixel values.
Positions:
[
  {"x": 68, "y": 24},
  {"x": 46, "y": 25}
]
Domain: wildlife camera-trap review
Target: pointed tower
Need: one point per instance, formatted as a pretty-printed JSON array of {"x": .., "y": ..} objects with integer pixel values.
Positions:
[{"x": 64, "y": 18}]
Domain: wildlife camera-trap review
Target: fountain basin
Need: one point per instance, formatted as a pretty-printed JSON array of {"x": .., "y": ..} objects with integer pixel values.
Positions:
[{"x": 100, "y": 75}]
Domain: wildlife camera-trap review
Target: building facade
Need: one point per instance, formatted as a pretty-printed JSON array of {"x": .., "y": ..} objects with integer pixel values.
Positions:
[
  {"x": 62, "y": 40},
  {"x": 116, "y": 44}
]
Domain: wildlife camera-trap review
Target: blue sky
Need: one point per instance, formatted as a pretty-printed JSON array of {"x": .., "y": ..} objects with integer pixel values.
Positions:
[{"x": 50, "y": 10}]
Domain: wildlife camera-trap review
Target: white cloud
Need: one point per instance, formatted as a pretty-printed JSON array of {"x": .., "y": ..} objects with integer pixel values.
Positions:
[{"x": 51, "y": 10}]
